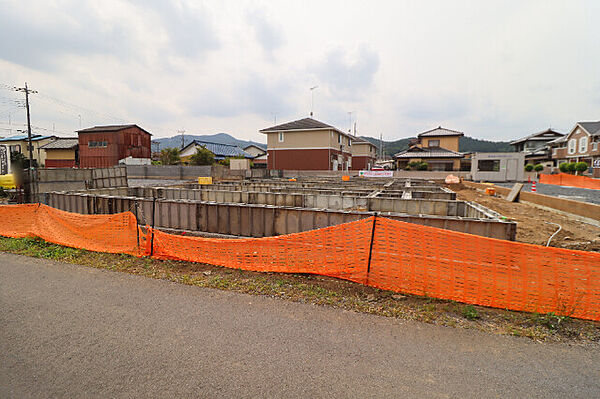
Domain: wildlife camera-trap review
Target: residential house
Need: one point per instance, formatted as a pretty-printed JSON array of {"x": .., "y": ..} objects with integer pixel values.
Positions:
[
  {"x": 437, "y": 147},
  {"x": 220, "y": 151},
  {"x": 62, "y": 153},
  {"x": 19, "y": 144},
  {"x": 104, "y": 146},
  {"x": 259, "y": 154},
  {"x": 308, "y": 144},
  {"x": 536, "y": 146},
  {"x": 581, "y": 144},
  {"x": 364, "y": 154}
]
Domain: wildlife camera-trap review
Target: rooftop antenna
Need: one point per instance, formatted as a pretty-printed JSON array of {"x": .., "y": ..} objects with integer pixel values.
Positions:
[
  {"x": 312, "y": 99},
  {"x": 381, "y": 145},
  {"x": 350, "y": 116},
  {"x": 354, "y": 129},
  {"x": 274, "y": 117}
]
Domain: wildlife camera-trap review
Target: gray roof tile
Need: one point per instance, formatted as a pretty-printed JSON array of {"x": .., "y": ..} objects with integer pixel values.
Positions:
[{"x": 440, "y": 131}]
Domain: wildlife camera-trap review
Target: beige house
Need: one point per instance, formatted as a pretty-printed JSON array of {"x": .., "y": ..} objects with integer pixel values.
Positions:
[
  {"x": 364, "y": 154},
  {"x": 308, "y": 144},
  {"x": 437, "y": 147},
  {"x": 19, "y": 144},
  {"x": 581, "y": 144},
  {"x": 259, "y": 154}
]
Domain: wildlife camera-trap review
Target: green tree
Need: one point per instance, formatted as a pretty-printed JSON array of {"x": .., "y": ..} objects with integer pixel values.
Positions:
[
  {"x": 202, "y": 157},
  {"x": 528, "y": 167},
  {"x": 581, "y": 167},
  {"x": 539, "y": 167},
  {"x": 571, "y": 167},
  {"x": 422, "y": 166},
  {"x": 564, "y": 167},
  {"x": 170, "y": 156}
]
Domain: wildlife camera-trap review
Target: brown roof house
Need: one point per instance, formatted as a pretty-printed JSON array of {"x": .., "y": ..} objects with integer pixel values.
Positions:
[
  {"x": 581, "y": 144},
  {"x": 437, "y": 147},
  {"x": 364, "y": 154},
  {"x": 103, "y": 146},
  {"x": 307, "y": 144},
  {"x": 536, "y": 146}
]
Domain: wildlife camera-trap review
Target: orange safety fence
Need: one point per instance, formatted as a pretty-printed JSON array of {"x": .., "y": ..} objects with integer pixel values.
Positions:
[
  {"x": 375, "y": 251},
  {"x": 563, "y": 179},
  {"x": 101, "y": 233}
]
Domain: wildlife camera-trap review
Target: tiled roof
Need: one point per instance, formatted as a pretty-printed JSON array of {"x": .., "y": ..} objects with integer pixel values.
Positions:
[
  {"x": 34, "y": 137},
  {"x": 303, "y": 124},
  {"x": 300, "y": 124},
  {"x": 592, "y": 128},
  {"x": 537, "y": 136},
  {"x": 221, "y": 150},
  {"x": 109, "y": 128},
  {"x": 61, "y": 144},
  {"x": 428, "y": 152},
  {"x": 440, "y": 131}
]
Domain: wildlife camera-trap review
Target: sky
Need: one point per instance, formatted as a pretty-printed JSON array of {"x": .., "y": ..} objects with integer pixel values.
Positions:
[{"x": 495, "y": 70}]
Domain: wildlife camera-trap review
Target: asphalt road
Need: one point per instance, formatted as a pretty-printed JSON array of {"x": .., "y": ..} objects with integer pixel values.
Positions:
[
  {"x": 572, "y": 193},
  {"x": 71, "y": 331}
]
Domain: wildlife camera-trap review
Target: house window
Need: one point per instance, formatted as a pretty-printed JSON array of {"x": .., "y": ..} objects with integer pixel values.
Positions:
[
  {"x": 554, "y": 151},
  {"x": 572, "y": 146},
  {"x": 339, "y": 139},
  {"x": 15, "y": 148},
  {"x": 434, "y": 143},
  {"x": 488, "y": 165},
  {"x": 281, "y": 137},
  {"x": 594, "y": 146},
  {"x": 97, "y": 144},
  {"x": 583, "y": 144}
]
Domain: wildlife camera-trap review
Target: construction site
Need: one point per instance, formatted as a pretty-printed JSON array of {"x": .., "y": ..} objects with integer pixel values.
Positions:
[{"x": 271, "y": 207}]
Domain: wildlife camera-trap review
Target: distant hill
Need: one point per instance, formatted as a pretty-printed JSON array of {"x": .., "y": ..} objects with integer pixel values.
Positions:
[
  {"x": 466, "y": 144},
  {"x": 220, "y": 138}
]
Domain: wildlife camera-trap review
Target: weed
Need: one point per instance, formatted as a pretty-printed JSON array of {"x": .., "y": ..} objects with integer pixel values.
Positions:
[{"x": 470, "y": 313}]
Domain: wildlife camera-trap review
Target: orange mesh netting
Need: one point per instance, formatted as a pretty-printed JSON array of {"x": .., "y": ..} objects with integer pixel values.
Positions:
[
  {"x": 563, "y": 179},
  {"x": 378, "y": 252},
  {"x": 102, "y": 233}
]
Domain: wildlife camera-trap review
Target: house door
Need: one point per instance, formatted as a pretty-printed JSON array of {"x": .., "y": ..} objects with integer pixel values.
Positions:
[{"x": 512, "y": 168}]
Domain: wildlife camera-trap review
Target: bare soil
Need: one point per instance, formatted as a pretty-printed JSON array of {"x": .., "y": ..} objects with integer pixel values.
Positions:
[{"x": 532, "y": 221}]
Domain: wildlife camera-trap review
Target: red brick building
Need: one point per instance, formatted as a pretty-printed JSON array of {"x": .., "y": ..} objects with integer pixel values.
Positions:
[
  {"x": 103, "y": 146},
  {"x": 307, "y": 144},
  {"x": 364, "y": 154}
]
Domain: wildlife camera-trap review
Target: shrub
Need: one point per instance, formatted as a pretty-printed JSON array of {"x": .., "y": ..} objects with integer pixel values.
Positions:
[
  {"x": 202, "y": 157},
  {"x": 528, "y": 167},
  {"x": 422, "y": 166},
  {"x": 571, "y": 167},
  {"x": 581, "y": 167},
  {"x": 539, "y": 167},
  {"x": 413, "y": 164},
  {"x": 169, "y": 156},
  {"x": 564, "y": 167}
]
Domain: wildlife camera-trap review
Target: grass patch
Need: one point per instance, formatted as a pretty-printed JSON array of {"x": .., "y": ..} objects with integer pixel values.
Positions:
[{"x": 324, "y": 291}]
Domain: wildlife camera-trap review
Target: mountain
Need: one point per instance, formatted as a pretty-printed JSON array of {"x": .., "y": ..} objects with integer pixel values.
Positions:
[
  {"x": 466, "y": 144},
  {"x": 220, "y": 138}
]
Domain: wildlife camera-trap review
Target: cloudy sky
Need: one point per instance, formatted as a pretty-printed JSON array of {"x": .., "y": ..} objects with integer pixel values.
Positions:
[{"x": 495, "y": 70}]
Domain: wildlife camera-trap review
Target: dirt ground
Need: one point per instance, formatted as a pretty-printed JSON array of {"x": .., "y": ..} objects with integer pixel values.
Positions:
[{"x": 532, "y": 226}]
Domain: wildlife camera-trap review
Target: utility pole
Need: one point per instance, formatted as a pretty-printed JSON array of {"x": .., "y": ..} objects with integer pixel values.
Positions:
[
  {"x": 182, "y": 131},
  {"x": 381, "y": 146},
  {"x": 29, "y": 145}
]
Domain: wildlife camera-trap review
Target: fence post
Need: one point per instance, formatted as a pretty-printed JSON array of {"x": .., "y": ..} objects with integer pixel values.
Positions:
[
  {"x": 137, "y": 223},
  {"x": 152, "y": 234},
  {"x": 371, "y": 245}
]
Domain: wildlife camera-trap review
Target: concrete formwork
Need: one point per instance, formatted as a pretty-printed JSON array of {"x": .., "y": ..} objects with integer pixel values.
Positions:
[{"x": 253, "y": 220}]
